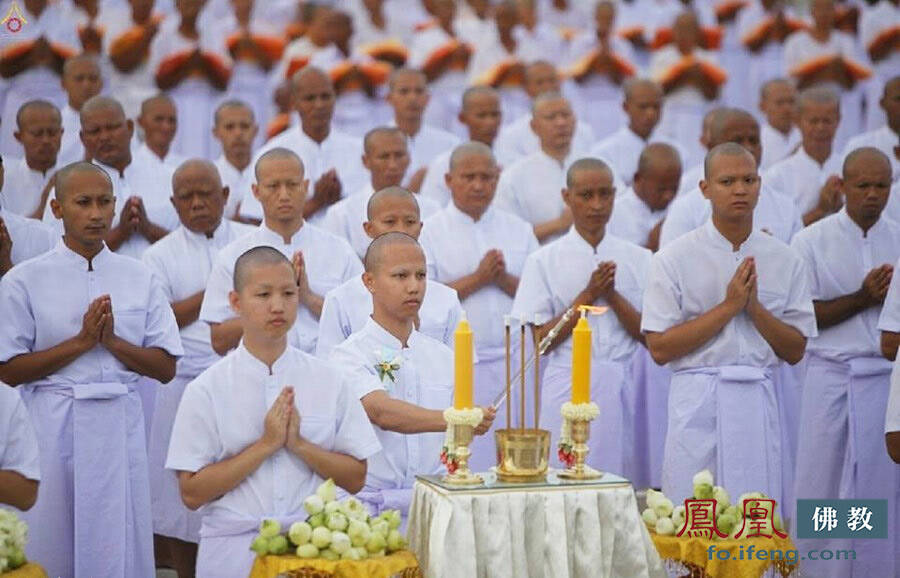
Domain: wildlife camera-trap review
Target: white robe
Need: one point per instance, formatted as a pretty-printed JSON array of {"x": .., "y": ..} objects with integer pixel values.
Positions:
[
  {"x": 892, "y": 416},
  {"x": 890, "y": 310},
  {"x": 434, "y": 187},
  {"x": 131, "y": 88},
  {"x": 802, "y": 178},
  {"x": 723, "y": 404},
  {"x": 181, "y": 261},
  {"x": 547, "y": 290},
  {"x": 22, "y": 186},
  {"x": 145, "y": 156},
  {"x": 516, "y": 140},
  {"x": 632, "y": 219},
  {"x": 776, "y": 146},
  {"x": 18, "y": 443},
  {"x": 329, "y": 262},
  {"x": 426, "y": 145},
  {"x": 841, "y": 450},
  {"x": 223, "y": 411},
  {"x": 92, "y": 517},
  {"x": 622, "y": 150},
  {"x": 447, "y": 90},
  {"x": 425, "y": 379},
  {"x": 238, "y": 182},
  {"x": 884, "y": 139},
  {"x": 30, "y": 238},
  {"x": 768, "y": 63},
  {"x": 71, "y": 149}
]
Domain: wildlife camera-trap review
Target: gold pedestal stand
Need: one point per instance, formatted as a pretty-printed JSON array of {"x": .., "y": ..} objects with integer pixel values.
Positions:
[
  {"x": 580, "y": 432},
  {"x": 462, "y": 437},
  {"x": 522, "y": 454}
]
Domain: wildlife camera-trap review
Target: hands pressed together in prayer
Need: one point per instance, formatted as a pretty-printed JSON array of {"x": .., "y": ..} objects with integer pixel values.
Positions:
[
  {"x": 282, "y": 424},
  {"x": 492, "y": 267},
  {"x": 98, "y": 324},
  {"x": 876, "y": 284},
  {"x": 602, "y": 283},
  {"x": 741, "y": 293}
]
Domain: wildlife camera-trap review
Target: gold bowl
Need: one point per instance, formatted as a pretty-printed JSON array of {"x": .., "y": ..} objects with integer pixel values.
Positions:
[{"x": 522, "y": 454}]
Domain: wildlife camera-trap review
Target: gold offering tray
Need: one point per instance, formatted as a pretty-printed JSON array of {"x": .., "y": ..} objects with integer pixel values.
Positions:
[{"x": 552, "y": 481}]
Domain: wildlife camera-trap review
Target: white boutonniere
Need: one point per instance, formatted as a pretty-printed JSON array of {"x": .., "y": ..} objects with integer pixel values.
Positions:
[{"x": 388, "y": 362}]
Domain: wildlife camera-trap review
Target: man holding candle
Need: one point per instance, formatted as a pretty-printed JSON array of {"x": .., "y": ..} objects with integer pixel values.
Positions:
[
  {"x": 403, "y": 377},
  {"x": 479, "y": 251},
  {"x": 600, "y": 269},
  {"x": 723, "y": 304}
]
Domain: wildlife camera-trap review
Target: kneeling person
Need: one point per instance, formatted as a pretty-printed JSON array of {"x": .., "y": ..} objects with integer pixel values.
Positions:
[{"x": 257, "y": 432}]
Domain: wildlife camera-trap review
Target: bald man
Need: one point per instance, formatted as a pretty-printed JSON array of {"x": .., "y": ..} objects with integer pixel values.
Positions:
[
  {"x": 779, "y": 134},
  {"x": 235, "y": 128},
  {"x": 481, "y": 115},
  {"x": 407, "y": 408},
  {"x": 603, "y": 270},
  {"x": 692, "y": 172},
  {"x": 887, "y": 137},
  {"x": 82, "y": 326},
  {"x": 330, "y": 157},
  {"x": 517, "y": 138},
  {"x": 347, "y": 307},
  {"x": 81, "y": 79},
  {"x": 386, "y": 157},
  {"x": 810, "y": 175},
  {"x": 479, "y": 250},
  {"x": 721, "y": 328},
  {"x": 257, "y": 432},
  {"x": 39, "y": 131},
  {"x": 21, "y": 238},
  {"x": 182, "y": 261},
  {"x": 158, "y": 121},
  {"x": 775, "y": 212},
  {"x": 322, "y": 260}
]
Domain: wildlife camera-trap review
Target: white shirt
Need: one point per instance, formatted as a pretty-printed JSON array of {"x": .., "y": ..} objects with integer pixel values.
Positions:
[
  {"x": 238, "y": 183},
  {"x": 71, "y": 149},
  {"x": 329, "y": 262},
  {"x": 690, "y": 276},
  {"x": 133, "y": 87},
  {"x": 802, "y": 178},
  {"x": 776, "y": 146},
  {"x": 890, "y": 310},
  {"x": 800, "y": 48},
  {"x": 622, "y": 150},
  {"x": 43, "y": 302},
  {"x": 223, "y": 411},
  {"x": 346, "y": 217},
  {"x": 18, "y": 443},
  {"x": 434, "y": 186},
  {"x": 547, "y": 289},
  {"x": 348, "y": 307},
  {"x": 632, "y": 219},
  {"x": 884, "y": 139},
  {"x": 455, "y": 244},
  {"x": 838, "y": 257},
  {"x": 775, "y": 213},
  {"x": 182, "y": 261},
  {"x": 873, "y": 21},
  {"x": 173, "y": 160},
  {"x": 427, "y": 144},
  {"x": 516, "y": 140},
  {"x": 30, "y": 237},
  {"x": 22, "y": 186},
  {"x": 892, "y": 416},
  {"x": 425, "y": 378}
]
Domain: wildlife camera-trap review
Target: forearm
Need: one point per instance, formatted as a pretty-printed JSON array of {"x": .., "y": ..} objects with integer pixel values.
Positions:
[
  {"x": 785, "y": 340},
  {"x": 187, "y": 310},
  {"x": 398, "y": 416},
  {"x": 17, "y": 490},
  {"x": 313, "y": 302},
  {"x": 892, "y": 440},
  {"x": 678, "y": 341},
  {"x": 218, "y": 479},
  {"x": 814, "y": 215},
  {"x": 152, "y": 362},
  {"x": 225, "y": 336},
  {"x": 311, "y": 207},
  {"x": 890, "y": 341},
  {"x": 5, "y": 266},
  {"x": 153, "y": 232},
  {"x": 835, "y": 311},
  {"x": 628, "y": 316},
  {"x": 117, "y": 237},
  {"x": 508, "y": 284},
  {"x": 346, "y": 471},
  {"x": 565, "y": 331},
  {"x": 549, "y": 228},
  {"x": 10, "y": 67},
  {"x": 29, "y": 367},
  {"x": 467, "y": 285}
]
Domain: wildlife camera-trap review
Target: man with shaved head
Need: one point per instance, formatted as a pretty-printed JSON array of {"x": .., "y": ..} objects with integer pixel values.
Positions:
[
  {"x": 779, "y": 134},
  {"x": 887, "y": 137},
  {"x": 347, "y": 307},
  {"x": 81, "y": 79},
  {"x": 599, "y": 269},
  {"x": 182, "y": 261},
  {"x": 775, "y": 212},
  {"x": 321, "y": 260},
  {"x": 850, "y": 260},
  {"x": 386, "y": 156},
  {"x": 39, "y": 131},
  {"x": 331, "y": 158},
  {"x": 724, "y": 303},
  {"x": 235, "y": 127},
  {"x": 517, "y": 138},
  {"x": 406, "y": 407},
  {"x": 479, "y": 250},
  {"x": 21, "y": 238},
  {"x": 158, "y": 120},
  {"x": 258, "y": 431},
  {"x": 481, "y": 115},
  {"x": 82, "y": 326}
]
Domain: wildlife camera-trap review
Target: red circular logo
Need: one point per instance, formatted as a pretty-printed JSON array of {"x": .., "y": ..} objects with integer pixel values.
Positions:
[{"x": 13, "y": 24}]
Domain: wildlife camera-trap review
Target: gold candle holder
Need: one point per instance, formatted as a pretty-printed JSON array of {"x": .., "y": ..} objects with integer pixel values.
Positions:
[
  {"x": 580, "y": 431},
  {"x": 462, "y": 437}
]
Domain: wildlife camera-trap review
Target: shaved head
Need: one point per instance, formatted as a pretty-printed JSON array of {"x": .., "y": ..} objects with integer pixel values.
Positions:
[
  {"x": 818, "y": 95},
  {"x": 277, "y": 154},
  {"x": 309, "y": 74},
  {"x": 724, "y": 120},
  {"x": 657, "y": 155},
  {"x": 36, "y": 105},
  {"x": 728, "y": 149},
  {"x": 102, "y": 104},
  {"x": 382, "y": 244},
  {"x": 79, "y": 60},
  {"x": 545, "y": 98},
  {"x": 473, "y": 92},
  {"x": 64, "y": 177},
  {"x": 389, "y": 193},
  {"x": 193, "y": 168},
  {"x": 368, "y": 140},
  {"x": 770, "y": 85},
  {"x": 634, "y": 86},
  {"x": 585, "y": 164},
  {"x": 157, "y": 99},
  {"x": 232, "y": 103},
  {"x": 863, "y": 157},
  {"x": 401, "y": 72},
  {"x": 261, "y": 256},
  {"x": 468, "y": 150}
]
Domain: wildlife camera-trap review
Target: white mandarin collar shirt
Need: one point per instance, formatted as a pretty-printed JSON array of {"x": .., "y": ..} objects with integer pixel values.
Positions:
[
  {"x": 348, "y": 307},
  {"x": 43, "y": 302},
  {"x": 777, "y": 146},
  {"x": 71, "y": 148},
  {"x": 454, "y": 245},
  {"x": 182, "y": 261},
  {"x": 890, "y": 310},
  {"x": 329, "y": 262},
  {"x": 172, "y": 161},
  {"x": 884, "y": 139},
  {"x": 622, "y": 150},
  {"x": 425, "y": 378},
  {"x": 689, "y": 277},
  {"x": 30, "y": 237},
  {"x": 632, "y": 219},
  {"x": 532, "y": 187},
  {"x": 516, "y": 140},
  {"x": 23, "y": 186},
  {"x": 838, "y": 257},
  {"x": 801, "y": 177},
  {"x": 18, "y": 443},
  {"x": 239, "y": 184},
  {"x": 427, "y": 144},
  {"x": 223, "y": 411},
  {"x": 556, "y": 273}
]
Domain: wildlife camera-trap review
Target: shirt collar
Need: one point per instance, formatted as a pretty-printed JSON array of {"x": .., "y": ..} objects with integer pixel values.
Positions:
[
  {"x": 717, "y": 240},
  {"x": 574, "y": 238},
  {"x": 223, "y": 162},
  {"x": 459, "y": 216},
  {"x": 276, "y": 239},
  {"x": 202, "y": 238},
  {"x": 254, "y": 364},
  {"x": 304, "y": 138},
  {"x": 801, "y": 152},
  {"x": 385, "y": 339},
  {"x": 99, "y": 260},
  {"x": 851, "y": 227},
  {"x": 113, "y": 172}
]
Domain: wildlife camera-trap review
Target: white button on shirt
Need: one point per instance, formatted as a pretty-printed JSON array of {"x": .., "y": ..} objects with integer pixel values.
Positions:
[
  {"x": 802, "y": 178},
  {"x": 890, "y": 310},
  {"x": 838, "y": 257},
  {"x": 22, "y": 186},
  {"x": 556, "y": 273},
  {"x": 30, "y": 238},
  {"x": 43, "y": 302},
  {"x": 18, "y": 443},
  {"x": 632, "y": 219},
  {"x": 690, "y": 276},
  {"x": 348, "y": 308},
  {"x": 223, "y": 411},
  {"x": 182, "y": 261},
  {"x": 425, "y": 378},
  {"x": 329, "y": 262},
  {"x": 455, "y": 244}
]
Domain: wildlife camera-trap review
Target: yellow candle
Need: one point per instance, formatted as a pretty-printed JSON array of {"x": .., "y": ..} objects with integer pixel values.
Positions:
[
  {"x": 581, "y": 362},
  {"x": 462, "y": 340}
]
